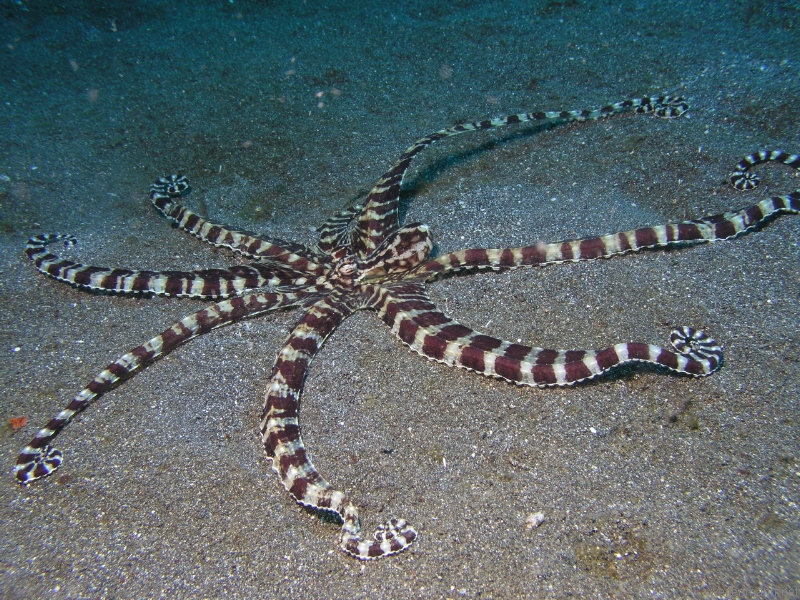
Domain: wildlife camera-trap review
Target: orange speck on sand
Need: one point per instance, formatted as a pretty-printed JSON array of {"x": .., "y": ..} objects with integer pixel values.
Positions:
[{"x": 18, "y": 422}]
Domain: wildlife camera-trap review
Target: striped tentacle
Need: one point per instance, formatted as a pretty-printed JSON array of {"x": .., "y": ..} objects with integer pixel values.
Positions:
[
  {"x": 708, "y": 229},
  {"x": 203, "y": 283},
  {"x": 379, "y": 215},
  {"x": 38, "y": 459},
  {"x": 280, "y": 430},
  {"x": 335, "y": 231},
  {"x": 417, "y": 322},
  {"x": 288, "y": 256},
  {"x": 743, "y": 180}
]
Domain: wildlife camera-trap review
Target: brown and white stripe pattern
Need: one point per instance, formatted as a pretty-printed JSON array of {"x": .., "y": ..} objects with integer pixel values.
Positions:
[
  {"x": 413, "y": 318},
  {"x": 379, "y": 216},
  {"x": 38, "y": 459},
  {"x": 203, "y": 283},
  {"x": 707, "y": 229},
  {"x": 365, "y": 260},
  {"x": 336, "y": 231},
  {"x": 289, "y": 256},
  {"x": 743, "y": 180},
  {"x": 280, "y": 431}
]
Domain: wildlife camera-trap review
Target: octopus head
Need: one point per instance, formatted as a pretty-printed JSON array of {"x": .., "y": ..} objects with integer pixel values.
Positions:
[{"x": 406, "y": 248}]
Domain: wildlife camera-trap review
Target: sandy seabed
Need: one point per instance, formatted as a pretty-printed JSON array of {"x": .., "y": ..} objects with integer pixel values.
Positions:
[{"x": 651, "y": 484}]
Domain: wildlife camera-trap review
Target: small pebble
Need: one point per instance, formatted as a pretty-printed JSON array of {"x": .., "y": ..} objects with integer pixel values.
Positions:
[{"x": 534, "y": 520}]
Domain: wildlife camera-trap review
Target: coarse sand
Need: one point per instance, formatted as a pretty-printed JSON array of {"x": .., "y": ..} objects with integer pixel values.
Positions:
[{"x": 282, "y": 113}]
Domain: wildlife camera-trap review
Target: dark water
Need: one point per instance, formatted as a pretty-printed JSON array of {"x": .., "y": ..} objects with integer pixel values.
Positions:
[{"x": 283, "y": 113}]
